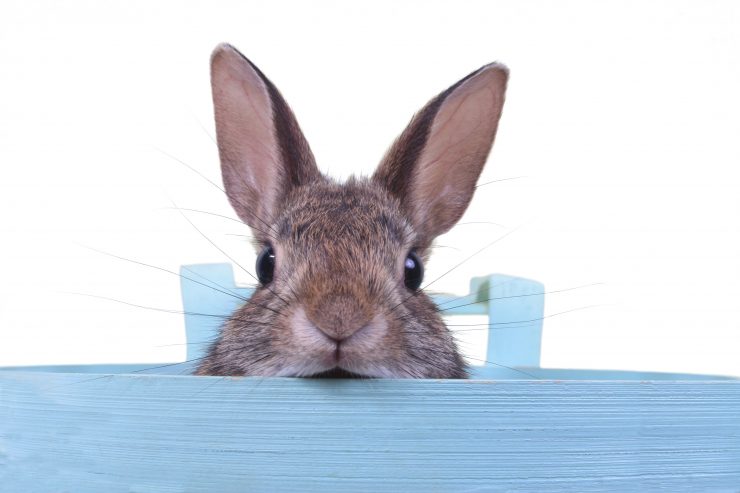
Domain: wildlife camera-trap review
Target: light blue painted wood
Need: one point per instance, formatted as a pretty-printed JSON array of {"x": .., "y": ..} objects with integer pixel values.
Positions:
[
  {"x": 516, "y": 308},
  {"x": 151, "y": 428},
  {"x": 144, "y": 433}
]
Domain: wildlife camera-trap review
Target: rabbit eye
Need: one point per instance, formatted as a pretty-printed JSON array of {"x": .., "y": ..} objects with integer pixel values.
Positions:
[
  {"x": 413, "y": 271},
  {"x": 266, "y": 265}
]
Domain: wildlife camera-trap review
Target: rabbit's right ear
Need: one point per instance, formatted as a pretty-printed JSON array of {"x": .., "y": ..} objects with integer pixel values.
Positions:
[
  {"x": 433, "y": 166},
  {"x": 262, "y": 149}
]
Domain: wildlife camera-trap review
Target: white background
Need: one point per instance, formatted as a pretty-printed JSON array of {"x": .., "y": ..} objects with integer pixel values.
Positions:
[{"x": 622, "y": 124}]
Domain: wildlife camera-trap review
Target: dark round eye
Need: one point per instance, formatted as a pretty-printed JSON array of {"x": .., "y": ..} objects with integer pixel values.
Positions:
[
  {"x": 266, "y": 265},
  {"x": 413, "y": 271}
]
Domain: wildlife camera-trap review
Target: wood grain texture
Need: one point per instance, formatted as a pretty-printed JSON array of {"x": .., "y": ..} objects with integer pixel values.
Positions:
[{"x": 155, "y": 433}]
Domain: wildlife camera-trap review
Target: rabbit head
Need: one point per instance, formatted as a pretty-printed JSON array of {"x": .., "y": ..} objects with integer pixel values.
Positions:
[{"x": 340, "y": 266}]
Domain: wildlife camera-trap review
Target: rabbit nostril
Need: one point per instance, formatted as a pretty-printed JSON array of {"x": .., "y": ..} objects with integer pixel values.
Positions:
[{"x": 338, "y": 316}]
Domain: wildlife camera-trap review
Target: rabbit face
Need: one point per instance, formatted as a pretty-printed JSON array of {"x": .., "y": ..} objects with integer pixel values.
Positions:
[{"x": 338, "y": 298}]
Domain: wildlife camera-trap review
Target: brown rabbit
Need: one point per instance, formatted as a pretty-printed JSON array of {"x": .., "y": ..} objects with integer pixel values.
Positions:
[{"x": 341, "y": 264}]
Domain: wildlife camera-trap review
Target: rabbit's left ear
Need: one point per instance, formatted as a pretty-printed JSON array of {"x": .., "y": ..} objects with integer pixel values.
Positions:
[
  {"x": 264, "y": 154},
  {"x": 433, "y": 166}
]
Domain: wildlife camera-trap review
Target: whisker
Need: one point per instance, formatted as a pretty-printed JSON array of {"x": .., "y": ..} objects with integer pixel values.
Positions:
[
  {"x": 206, "y": 212},
  {"x": 427, "y": 361},
  {"x": 489, "y": 245},
  {"x": 499, "y": 180},
  {"x": 471, "y": 223},
  {"x": 500, "y": 238},
  {"x": 205, "y": 130},
  {"x": 164, "y": 310},
  {"x": 230, "y": 257},
  {"x": 513, "y": 323},
  {"x": 167, "y": 310},
  {"x": 246, "y": 209},
  {"x": 251, "y": 286},
  {"x": 202, "y": 343},
  {"x": 444, "y": 246},
  {"x": 504, "y": 366},
  {"x": 110, "y": 375},
  {"x": 554, "y": 291},
  {"x": 223, "y": 290},
  {"x": 459, "y": 298}
]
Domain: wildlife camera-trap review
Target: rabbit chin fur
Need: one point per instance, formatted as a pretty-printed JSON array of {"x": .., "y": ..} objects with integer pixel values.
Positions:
[{"x": 337, "y": 302}]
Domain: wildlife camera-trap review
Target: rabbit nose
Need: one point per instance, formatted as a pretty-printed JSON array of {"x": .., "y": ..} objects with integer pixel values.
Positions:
[{"x": 338, "y": 317}]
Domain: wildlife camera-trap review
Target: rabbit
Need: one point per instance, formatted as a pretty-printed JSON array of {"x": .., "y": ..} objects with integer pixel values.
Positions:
[{"x": 340, "y": 266}]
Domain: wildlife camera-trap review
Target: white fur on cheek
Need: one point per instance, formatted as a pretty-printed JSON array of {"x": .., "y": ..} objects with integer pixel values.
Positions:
[
  {"x": 365, "y": 341},
  {"x": 311, "y": 350},
  {"x": 306, "y": 334},
  {"x": 363, "y": 352}
]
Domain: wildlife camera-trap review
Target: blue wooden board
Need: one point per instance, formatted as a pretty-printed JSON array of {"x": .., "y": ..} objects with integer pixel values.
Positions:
[
  {"x": 151, "y": 428},
  {"x": 144, "y": 433}
]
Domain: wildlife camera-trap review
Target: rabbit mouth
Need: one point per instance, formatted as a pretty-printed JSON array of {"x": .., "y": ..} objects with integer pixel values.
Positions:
[
  {"x": 323, "y": 355},
  {"x": 337, "y": 373}
]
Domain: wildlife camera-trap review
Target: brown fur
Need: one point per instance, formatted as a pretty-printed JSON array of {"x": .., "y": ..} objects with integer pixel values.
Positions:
[{"x": 338, "y": 299}]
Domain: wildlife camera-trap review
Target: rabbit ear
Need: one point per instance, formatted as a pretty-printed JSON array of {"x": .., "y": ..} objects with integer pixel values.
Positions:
[
  {"x": 433, "y": 166},
  {"x": 262, "y": 149}
]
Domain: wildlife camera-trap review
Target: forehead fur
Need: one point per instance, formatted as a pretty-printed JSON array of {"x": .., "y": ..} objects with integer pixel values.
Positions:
[{"x": 356, "y": 212}]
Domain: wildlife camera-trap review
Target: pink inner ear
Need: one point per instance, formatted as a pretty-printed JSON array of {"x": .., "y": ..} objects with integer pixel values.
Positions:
[
  {"x": 246, "y": 139},
  {"x": 457, "y": 147}
]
